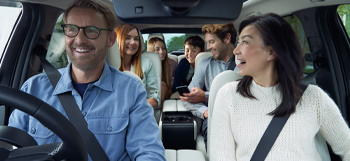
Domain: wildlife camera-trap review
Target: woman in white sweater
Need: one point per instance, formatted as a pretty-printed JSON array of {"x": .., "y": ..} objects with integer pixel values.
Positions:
[{"x": 270, "y": 58}]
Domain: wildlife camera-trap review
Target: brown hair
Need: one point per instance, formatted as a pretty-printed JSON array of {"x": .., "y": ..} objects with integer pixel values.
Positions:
[
  {"x": 91, "y": 4},
  {"x": 221, "y": 31},
  {"x": 165, "y": 63},
  {"x": 122, "y": 31}
]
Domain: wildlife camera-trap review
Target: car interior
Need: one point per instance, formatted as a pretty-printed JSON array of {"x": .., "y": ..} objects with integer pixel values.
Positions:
[{"x": 322, "y": 26}]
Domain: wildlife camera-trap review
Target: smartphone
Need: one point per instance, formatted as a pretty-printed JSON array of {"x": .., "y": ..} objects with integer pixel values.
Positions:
[{"x": 182, "y": 90}]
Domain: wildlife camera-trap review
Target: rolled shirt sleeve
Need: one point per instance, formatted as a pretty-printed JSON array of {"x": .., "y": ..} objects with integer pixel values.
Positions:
[
  {"x": 197, "y": 109},
  {"x": 149, "y": 79},
  {"x": 198, "y": 80}
]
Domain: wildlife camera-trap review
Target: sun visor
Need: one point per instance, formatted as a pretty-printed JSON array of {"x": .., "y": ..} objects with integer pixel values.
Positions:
[{"x": 178, "y": 11}]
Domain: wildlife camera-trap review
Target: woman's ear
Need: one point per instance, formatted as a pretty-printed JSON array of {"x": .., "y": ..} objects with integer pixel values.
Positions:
[{"x": 272, "y": 55}]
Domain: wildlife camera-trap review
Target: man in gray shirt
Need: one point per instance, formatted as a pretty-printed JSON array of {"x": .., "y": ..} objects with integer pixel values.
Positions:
[{"x": 220, "y": 40}]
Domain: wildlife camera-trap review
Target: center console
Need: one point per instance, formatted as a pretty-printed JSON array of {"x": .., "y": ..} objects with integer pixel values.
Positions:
[{"x": 178, "y": 127}]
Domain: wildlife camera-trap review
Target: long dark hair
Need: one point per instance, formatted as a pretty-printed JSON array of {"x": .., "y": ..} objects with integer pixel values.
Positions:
[{"x": 278, "y": 34}]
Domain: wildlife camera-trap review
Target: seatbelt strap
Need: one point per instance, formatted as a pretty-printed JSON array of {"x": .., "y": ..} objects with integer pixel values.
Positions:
[
  {"x": 270, "y": 135},
  {"x": 73, "y": 112},
  {"x": 277, "y": 123},
  {"x": 232, "y": 65}
]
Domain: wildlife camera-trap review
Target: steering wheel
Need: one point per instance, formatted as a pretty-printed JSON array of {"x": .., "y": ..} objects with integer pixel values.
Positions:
[{"x": 72, "y": 146}]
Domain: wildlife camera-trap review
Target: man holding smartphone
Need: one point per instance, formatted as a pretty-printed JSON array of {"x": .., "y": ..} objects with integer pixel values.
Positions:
[{"x": 220, "y": 40}]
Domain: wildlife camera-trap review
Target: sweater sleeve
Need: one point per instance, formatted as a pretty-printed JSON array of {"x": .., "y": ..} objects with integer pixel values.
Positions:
[
  {"x": 222, "y": 142},
  {"x": 333, "y": 126}
]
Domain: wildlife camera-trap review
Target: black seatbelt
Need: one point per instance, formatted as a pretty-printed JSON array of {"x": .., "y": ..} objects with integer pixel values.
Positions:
[
  {"x": 276, "y": 125},
  {"x": 232, "y": 65},
  {"x": 270, "y": 135},
  {"x": 73, "y": 112}
]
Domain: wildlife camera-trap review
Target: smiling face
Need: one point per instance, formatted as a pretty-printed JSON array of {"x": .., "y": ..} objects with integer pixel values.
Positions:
[
  {"x": 252, "y": 57},
  {"x": 132, "y": 43},
  {"x": 159, "y": 47},
  {"x": 84, "y": 53},
  {"x": 218, "y": 48},
  {"x": 191, "y": 52}
]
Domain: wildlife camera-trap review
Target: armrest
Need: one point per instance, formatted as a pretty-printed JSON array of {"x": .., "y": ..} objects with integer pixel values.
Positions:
[{"x": 169, "y": 106}]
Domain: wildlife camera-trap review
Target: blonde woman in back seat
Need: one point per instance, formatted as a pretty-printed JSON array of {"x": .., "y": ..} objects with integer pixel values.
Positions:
[
  {"x": 129, "y": 42},
  {"x": 269, "y": 56},
  {"x": 157, "y": 45}
]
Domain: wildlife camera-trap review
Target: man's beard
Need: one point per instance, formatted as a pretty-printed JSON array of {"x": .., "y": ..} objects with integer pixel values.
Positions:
[{"x": 87, "y": 62}]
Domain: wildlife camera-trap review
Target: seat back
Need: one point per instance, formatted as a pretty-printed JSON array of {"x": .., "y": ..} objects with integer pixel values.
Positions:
[
  {"x": 174, "y": 57},
  {"x": 180, "y": 57},
  {"x": 201, "y": 56},
  {"x": 219, "y": 81},
  {"x": 157, "y": 65},
  {"x": 113, "y": 56}
]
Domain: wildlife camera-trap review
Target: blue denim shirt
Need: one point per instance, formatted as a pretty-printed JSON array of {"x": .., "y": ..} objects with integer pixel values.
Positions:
[{"x": 115, "y": 108}]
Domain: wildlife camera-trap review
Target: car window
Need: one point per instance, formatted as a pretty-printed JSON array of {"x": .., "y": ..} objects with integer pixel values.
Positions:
[
  {"x": 299, "y": 30},
  {"x": 344, "y": 13},
  {"x": 56, "y": 53},
  {"x": 174, "y": 41},
  {"x": 12, "y": 11}
]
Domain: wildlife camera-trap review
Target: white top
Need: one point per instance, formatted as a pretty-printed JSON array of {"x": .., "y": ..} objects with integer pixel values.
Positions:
[{"x": 238, "y": 124}]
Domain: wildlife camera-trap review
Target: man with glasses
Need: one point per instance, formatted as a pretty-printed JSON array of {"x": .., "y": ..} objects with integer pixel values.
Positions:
[{"x": 113, "y": 103}]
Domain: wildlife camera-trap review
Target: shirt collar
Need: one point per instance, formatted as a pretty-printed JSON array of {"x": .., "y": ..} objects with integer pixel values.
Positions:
[
  {"x": 228, "y": 61},
  {"x": 65, "y": 82}
]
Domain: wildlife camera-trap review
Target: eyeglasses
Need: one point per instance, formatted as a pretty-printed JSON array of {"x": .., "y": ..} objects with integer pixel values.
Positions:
[{"x": 90, "y": 32}]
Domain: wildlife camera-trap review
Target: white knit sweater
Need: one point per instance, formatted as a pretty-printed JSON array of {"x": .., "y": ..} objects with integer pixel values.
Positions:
[{"x": 238, "y": 123}]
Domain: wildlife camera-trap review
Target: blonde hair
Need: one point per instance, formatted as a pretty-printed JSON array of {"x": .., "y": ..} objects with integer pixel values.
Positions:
[
  {"x": 165, "y": 63},
  {"x": 122, "y": 31},
  {"x": 150, "y": 44}
]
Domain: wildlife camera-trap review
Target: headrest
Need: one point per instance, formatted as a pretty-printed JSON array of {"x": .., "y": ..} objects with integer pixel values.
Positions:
[
  {"x": 201, "y": 56},
  {"x": 113, "y": 56},
  {"x": 156, "y": 35},
  {"x": 55, "y": 50},
  {"x": 180, "y": 57},
  {"x": 142, "y": 42},
  {"x": 220, "y": 80},
  {"x": 173, "y": 57}
]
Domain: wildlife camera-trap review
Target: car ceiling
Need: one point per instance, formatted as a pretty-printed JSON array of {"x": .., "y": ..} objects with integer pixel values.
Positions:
[{"x": 250, "y": 7}]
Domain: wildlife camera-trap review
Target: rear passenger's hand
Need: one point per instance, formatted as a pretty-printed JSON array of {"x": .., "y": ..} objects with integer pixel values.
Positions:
[{"x": 197, "y": 95}]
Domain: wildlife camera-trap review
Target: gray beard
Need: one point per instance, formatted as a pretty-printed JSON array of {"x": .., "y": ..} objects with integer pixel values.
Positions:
[{"x": 87, "y": 63}]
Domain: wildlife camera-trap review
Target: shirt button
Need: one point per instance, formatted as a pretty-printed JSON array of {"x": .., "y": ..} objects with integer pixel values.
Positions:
[
  {"x": 33, "y": 130},
  {"x": 84, "y": 114},
  {"x": 109, "y": 129}
]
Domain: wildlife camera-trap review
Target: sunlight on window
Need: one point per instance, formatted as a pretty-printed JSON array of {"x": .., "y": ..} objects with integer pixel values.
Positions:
[
  {"x": 12, "y": 11},
  {"x": 344, "y": 13}
]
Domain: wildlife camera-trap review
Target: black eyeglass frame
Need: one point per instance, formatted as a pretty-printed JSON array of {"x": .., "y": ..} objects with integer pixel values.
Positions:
[{"x": 99, "y": 30}]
